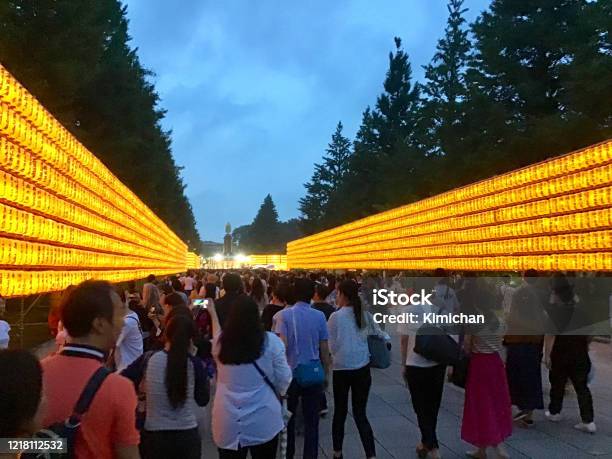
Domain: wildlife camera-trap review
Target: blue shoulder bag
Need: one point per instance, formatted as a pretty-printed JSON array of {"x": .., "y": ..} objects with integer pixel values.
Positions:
[{"x": 310, "y": 373}]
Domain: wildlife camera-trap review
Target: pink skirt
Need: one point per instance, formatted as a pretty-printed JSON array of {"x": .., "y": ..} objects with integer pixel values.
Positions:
[{"x": 487, "y": 412}]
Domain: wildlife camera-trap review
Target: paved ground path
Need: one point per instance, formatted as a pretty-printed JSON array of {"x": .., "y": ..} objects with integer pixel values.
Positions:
[{"x": 397, "y": 434}]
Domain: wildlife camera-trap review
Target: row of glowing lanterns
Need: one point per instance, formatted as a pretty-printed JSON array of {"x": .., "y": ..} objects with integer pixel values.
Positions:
[
  {"x": 534, "y": 214},
  {"x": 238, "y": 260},
  {"x": 599, "y": 261},
  {"x": 554, "y": 176},
  {"x": 64, "y": 217}
]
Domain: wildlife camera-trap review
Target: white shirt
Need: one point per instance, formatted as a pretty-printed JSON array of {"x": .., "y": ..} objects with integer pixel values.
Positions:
[
  {"x": 129, "y": 343},
  {"x": 410, "y": 330},
  {"x": 5, "y": 328},
  {"x": 445, "y": 299},
  {"x": 245, "y": 411},
  {"x": 348, "y": 343},
  {"x": 189, "y": 283}
]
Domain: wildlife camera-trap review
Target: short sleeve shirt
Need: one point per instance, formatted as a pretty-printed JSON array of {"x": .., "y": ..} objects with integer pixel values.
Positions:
[
  {"x": 411, "y": 330},
  {"x": 303, "y": 328},
  {"x": 5, "y": 328},
  {"x": 110, "y": 420}
]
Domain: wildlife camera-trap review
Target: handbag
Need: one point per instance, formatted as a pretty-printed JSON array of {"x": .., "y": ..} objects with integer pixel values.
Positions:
[
  {"x": 436, "y": 345},
  {"x": 141, "y": 393},
  {"x": 310, "y": 373},
  {"x": 380, "y": 354},
  {"x": 380, "y": 349},
  {"x": 460, "y": 371}
]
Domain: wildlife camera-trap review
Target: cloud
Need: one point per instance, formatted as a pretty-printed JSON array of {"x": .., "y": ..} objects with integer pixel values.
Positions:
[{"x": 254, "y": 89}]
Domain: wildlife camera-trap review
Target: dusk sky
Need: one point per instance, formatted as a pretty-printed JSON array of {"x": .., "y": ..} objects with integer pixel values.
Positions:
[{"x": 254, "y": 89}]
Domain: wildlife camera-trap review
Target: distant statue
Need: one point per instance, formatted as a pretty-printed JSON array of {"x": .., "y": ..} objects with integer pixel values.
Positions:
[{"x": 227, "y": 240}]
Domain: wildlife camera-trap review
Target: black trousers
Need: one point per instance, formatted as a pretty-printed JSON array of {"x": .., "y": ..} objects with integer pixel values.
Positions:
[
  {"x": 358, "y": 382},
  {"x": 426, "y": 385},
  {"x": 263, "y": 451},
  {"x": 162, "y": 444},
  {"x": 311, "y": 401},
  {"x": 574, "y": 366}
]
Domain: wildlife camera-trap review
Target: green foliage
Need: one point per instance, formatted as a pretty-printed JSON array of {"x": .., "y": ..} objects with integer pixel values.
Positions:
[
  {"x": 266, "y": 234},
  {"x": 532, "y": 80},
  {"x": 74, "y": 56},
  {"x": 325, "y": 179}
]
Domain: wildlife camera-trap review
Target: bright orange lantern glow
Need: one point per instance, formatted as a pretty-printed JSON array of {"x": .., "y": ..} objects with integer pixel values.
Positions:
[
  {"x": 64, "y": 217},
  {"x": 554, "y": 215}
]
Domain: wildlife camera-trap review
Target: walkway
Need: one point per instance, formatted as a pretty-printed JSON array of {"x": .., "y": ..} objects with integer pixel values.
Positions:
[{"x": 397, "y": 434}]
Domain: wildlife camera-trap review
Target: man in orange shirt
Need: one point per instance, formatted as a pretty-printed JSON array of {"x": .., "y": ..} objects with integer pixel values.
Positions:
[{"x": 93, "y": 316}]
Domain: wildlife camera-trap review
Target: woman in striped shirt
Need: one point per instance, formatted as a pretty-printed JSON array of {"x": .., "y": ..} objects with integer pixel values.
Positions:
[{"x": 487, "y": 412}]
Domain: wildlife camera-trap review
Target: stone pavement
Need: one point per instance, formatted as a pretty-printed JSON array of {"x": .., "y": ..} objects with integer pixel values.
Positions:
[{"x": 397, "y": 434}]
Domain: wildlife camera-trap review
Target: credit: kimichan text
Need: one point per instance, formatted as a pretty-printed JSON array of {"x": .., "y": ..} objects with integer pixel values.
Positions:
[{"x": 428, "y": 318}]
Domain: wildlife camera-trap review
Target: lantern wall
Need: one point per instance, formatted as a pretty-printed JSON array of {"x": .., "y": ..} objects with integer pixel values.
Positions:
[
  {"x": 279, "y": 261},
  {"x": 64, "y": 217},
  {"x": 553, "y": 215}
]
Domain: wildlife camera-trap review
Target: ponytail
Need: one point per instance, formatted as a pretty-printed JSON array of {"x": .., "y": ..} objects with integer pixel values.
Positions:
[
  {"x": 350, "y": 289},
  {"x": 179, "y": 332}
]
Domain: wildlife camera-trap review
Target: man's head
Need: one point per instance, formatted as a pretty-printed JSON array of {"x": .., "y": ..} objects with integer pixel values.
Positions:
[
  {"x": 93, "y": 313},
  {"x": 172, "y": 301},
  {"x": 304, "y": 289},
  {"x": 320, "y": 293},
  {"x": 530, "y": 276},
  {"x": 280, "y": 294},
  {"x": 151, "y": 278},
  {"x": 231, "y": 283},
  {"x": 21, "y": 395}
]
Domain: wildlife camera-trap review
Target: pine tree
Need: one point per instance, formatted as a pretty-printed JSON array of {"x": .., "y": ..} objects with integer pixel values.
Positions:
[
  {"x": 397, "y": 121},
  {"x": 326, "y": 178},
  {"x": 264, "y": 231},
  {"x": 445, "y": 84},
  {"x": 396, "y": 113},
  {"x": 443, "y": 113}
]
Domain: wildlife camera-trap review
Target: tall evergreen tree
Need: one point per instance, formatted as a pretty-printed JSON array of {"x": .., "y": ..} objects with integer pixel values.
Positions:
[
  {"x": 264, "y": 231},
  {"x": 80, "y": 65},
  {"x": 395, "y": 125},
  {"x": 528, "y": 61},
  {"x": 397, "y": 108},
  {"x": 326, "y": 178},
  {"x": 443, "y": 114}
]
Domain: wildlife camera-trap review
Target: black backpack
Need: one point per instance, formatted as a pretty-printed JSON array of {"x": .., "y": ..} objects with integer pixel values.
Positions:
[{"x": 69, "y": 428}]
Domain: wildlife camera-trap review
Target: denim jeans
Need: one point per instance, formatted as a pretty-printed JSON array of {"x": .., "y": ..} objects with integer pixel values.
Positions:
[{"x": 310, "y": 398}]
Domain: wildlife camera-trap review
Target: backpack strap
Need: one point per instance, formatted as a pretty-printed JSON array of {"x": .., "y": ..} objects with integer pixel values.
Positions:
[
  {"x": 87, "y": 396},
  {"x": 137, "y": 322}
]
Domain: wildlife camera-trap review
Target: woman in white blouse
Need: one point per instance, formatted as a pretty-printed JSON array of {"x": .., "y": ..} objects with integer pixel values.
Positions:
[
  {"x": 252, "y": 373},
  {"x": 348, "y": 344},
  {"x": 425, "y": 381}
]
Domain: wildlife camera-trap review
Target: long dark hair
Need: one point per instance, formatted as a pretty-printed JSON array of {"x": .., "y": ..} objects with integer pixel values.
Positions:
[
  {"x": 179, "y": 333},
  {"x": 562, "y": 288},
  {"x": 257, "y": 289},
  {"x": 243, "y": 334},
  {"x": 350, "y": 289},
  {"x": 210, "y": 290}
]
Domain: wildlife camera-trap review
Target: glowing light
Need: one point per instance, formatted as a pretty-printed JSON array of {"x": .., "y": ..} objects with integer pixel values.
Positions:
[
  {"x": 554, "y": 215},
  {"x": 241, "y": 258},
  {"x": 218, "y": 257},
  {"x": 64, "y": 217}
]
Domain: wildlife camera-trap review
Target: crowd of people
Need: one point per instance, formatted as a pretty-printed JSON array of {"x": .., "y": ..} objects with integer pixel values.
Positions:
[{"x": 134, "y": 366}]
